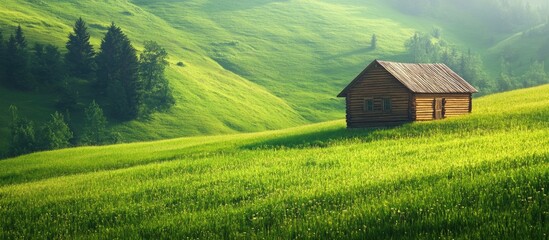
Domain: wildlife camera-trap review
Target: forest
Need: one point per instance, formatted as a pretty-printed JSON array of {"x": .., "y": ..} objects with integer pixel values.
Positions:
[{"x": 127, "y": 86}]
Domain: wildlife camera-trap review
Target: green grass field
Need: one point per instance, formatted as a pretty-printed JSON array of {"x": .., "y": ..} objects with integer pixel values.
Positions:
[
  {"x": 482, "y": 176},
  {"x": 250, "y": 66}
]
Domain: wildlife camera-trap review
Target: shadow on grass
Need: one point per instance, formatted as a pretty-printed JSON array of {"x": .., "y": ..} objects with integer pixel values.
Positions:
[
  {"x": 319, "y": 139},
  {"x": 308, "y": 140},
  {"x": 461, "y": 127}
]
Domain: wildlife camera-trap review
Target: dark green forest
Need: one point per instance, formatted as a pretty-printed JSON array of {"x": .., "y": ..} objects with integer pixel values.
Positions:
[{"x": 123, "y": 86}]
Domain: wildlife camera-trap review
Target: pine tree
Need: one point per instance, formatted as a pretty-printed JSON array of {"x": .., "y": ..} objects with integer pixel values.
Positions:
[
  {"x": 17, "y": 72},
  {"x": 2, "y": 59},
  {"x": 67, "y": 97},
  {"x": 12, "y": 69},
  {"x": 10, "y": 53},
  {"x": 118, "y": 96},
  {"x": 20, "y": 38},
  {"x": 56, "y": 133},
  {"x": 47, "y": 65},
  {"x": 95, "y": 126},
  {"x": 152, "y": 64},
  {"x": 80, "y": 55},
  {"x": 117, "y": 74},
  {"x": 373, "y": 42}
]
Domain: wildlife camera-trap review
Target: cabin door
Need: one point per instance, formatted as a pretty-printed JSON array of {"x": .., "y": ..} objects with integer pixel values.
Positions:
[{"x": 438, "y": 108}]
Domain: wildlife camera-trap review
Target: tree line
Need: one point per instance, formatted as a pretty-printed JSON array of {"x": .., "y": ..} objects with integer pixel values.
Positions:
[
  {"x": 427, "y": 48},
  {"x": 126, "y": 85},
  {"x": 58, "y": 132}
]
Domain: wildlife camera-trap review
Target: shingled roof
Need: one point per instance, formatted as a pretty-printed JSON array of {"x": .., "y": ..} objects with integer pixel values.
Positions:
[{"x": 420, "y": 78}]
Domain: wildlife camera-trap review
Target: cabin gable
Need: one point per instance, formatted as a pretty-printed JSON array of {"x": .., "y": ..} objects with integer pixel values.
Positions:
[{"x": 377, "y": 97}]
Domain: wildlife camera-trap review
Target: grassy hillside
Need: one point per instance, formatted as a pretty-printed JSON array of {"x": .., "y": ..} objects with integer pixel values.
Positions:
[
  {"x": 479, "y": 176},
  {"x": 521, "y": 49},
  {"x": 210, "y": 99},
  {"x": 249, "y": 66}
]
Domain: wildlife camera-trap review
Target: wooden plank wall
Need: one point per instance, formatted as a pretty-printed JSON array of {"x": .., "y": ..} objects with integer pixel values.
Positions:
[
  {"x": 377, "y": 84},
  {"x": 456, "y": 105}
]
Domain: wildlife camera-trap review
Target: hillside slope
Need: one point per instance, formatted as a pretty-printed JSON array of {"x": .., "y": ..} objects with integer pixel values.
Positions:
[
  {"x": 210, "y": 99},
  {"x": 478, "y": 176},
  {"x": 249, "y": 66},
  {"x": 521, "y": 49}
]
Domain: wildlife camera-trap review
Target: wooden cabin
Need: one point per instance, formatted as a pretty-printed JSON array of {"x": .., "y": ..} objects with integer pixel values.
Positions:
[{"x": 391, "y": 93}]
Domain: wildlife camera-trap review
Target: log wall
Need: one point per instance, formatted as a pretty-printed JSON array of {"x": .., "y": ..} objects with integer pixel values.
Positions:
[
  {"x": 378, "y": 84},
  {"x": 455, "y": 105}
]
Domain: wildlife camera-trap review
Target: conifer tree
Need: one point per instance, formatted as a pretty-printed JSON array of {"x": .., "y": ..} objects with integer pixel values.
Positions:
[
  {"x": 80, "y": 54},
  {"x": 117, "y": 74},
  {"x": 17, "y": 62},
  {"x": 10, "y": 53},
  {"x": 13, "y": 60},
  {"x": 373, "y": 42},
  {"x": 20, "y": 38},
  {"x": 47, "y": 64},
  {"x": 152, "y": 64},
  {"x": 2, "y": 59}
]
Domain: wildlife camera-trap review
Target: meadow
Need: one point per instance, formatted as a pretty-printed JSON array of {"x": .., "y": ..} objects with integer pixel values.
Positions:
[
  {"x": 279, "y": 63},
  {"x": 482, "y": 176}
]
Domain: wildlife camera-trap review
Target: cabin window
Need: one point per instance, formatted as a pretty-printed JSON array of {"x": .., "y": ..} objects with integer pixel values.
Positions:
[
  {"x": 387, "y": 105},
  {"x": 369, "y": 105}
]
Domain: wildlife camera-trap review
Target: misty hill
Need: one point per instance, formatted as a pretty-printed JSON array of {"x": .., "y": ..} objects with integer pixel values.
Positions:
[{"x": 256, "y": 65}]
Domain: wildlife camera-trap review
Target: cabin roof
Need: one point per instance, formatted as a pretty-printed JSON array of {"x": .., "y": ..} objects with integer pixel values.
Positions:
[{"x": 420, "y": 78}]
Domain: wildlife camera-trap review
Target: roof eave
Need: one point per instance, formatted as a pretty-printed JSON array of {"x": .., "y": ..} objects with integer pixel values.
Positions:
[{"x": 420, "y": 92}]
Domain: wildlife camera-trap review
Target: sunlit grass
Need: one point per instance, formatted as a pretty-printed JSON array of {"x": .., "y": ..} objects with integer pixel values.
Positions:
[{"x": 478, "y": 176}]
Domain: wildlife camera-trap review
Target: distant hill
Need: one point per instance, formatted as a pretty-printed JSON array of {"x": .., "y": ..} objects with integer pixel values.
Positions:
[
  {"x": 251, "y": 65},
  {"x": 523, "y": 48},
  {"x": 482, "y": 175}
]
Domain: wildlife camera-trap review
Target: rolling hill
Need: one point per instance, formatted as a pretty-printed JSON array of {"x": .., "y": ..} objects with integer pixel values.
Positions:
[
  {"x": 522, "y": 48},
  {"x": 250, "y": 66},
  {"x": 479, "y": 176}
]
